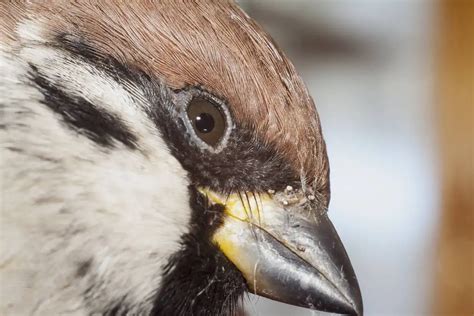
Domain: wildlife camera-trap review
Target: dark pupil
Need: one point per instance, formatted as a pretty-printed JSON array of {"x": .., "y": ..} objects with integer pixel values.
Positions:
[{"x": 204, "y": 122}]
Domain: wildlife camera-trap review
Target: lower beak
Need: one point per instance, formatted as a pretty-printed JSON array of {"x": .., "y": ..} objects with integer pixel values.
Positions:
[{"x": 291, "y": 254}]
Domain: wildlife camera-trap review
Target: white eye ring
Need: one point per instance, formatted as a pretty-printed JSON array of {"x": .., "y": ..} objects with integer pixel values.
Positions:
[{"x": 220, "y": 106}]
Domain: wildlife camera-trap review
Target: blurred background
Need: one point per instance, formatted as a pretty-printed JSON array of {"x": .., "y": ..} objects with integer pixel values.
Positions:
[{"x": 392, "y": 81}]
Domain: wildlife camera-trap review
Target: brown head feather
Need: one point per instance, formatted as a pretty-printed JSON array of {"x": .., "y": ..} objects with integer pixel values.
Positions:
[{"x": 213, "y": 44}]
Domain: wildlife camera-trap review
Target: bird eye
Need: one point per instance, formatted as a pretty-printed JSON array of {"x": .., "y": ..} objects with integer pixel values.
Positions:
[{"x": 207, "y": 120}]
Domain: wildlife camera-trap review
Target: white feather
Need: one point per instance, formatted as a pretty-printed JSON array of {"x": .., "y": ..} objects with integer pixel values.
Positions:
[{"x": 66, "y": 202}]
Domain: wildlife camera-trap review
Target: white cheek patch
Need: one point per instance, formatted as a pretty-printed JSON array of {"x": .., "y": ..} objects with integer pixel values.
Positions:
[{"x": 82, "y": 228}]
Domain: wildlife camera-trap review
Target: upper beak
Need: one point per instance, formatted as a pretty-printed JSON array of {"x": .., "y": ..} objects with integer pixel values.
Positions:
[{"x": 288, "y": 253}]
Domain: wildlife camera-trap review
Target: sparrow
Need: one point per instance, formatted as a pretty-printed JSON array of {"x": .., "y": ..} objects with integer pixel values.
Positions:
[{"x": 159, "y": 158}]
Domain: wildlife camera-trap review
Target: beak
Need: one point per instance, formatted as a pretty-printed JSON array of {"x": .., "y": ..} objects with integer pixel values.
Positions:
[{"x": 289, "y": 253}]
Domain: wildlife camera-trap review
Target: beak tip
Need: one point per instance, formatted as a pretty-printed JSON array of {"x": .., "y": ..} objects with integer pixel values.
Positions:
[
  {"x": 348, "y": 306},
  {"x": 352, "y": 303},
  {"x": 355, "y": 299},
  {"x": 359, "y": 306}
]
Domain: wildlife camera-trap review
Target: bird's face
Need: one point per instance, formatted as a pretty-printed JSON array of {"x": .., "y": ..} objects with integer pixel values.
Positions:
[{"x": 191, "y": 158}]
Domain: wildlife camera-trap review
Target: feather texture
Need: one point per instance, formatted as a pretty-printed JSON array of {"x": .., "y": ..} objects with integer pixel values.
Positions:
[{"x": 209, "y": 43}]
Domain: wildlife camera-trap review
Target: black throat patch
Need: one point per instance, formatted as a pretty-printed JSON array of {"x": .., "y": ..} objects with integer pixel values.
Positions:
[{"x": 199, "y": 279}]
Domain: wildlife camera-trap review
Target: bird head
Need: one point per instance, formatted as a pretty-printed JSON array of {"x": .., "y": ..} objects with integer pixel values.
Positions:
[{"x": 183, "y": 148}]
